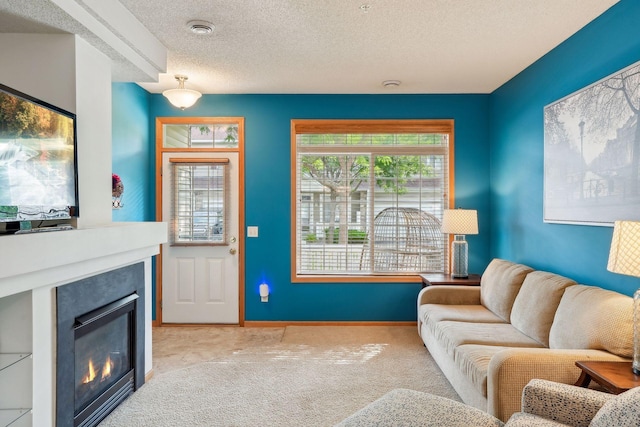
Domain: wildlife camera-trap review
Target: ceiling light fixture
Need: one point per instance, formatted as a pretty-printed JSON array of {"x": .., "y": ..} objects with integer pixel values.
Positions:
[
  {"x": 181, "y": 97},
  {"x": 200, "y": 27},
  {"x": 390, "y": 84}
]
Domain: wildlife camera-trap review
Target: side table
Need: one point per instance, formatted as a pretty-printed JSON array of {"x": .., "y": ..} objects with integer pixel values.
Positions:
[
  {"x": 435, "y": 279},
  {"x": 614, "y": 377}
]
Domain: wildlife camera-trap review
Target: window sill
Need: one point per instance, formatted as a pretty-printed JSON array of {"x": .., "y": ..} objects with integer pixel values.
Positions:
[{"x": 409, "y": 278}]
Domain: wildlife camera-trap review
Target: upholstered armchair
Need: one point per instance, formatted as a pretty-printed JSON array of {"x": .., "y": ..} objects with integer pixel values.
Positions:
[
  {"x": 547, "y": 403},
  {"x": 544, "y": 404}
]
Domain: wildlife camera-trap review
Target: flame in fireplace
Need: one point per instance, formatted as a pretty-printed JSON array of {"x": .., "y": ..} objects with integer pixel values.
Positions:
[
  {"x": 91, "y": 371},
  {"x": 106, "y": 369},
  {"x": 91, "y": 375}
]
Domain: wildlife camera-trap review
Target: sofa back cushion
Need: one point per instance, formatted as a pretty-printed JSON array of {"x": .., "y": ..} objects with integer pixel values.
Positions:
[
  {"x": 500, "y": 284},
  {"x": 593, "y": 318},
  {"x": 536, "y": 304}
]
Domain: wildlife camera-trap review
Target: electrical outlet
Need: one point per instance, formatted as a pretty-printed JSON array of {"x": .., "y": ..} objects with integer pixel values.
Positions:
[{"x": 252, "y": 231}]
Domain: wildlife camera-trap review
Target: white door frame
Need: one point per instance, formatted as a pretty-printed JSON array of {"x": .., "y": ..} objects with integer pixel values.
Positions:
[{"x": 160, "y": 150}]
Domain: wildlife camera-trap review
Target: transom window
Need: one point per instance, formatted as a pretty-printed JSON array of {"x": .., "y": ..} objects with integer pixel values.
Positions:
[
  {"x": 369, "y": 197},
  {"x": 201, "y": 135}
]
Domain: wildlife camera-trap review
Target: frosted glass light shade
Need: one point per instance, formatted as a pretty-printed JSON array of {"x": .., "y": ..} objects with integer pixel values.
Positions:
[{"x": 182, "y": 98}]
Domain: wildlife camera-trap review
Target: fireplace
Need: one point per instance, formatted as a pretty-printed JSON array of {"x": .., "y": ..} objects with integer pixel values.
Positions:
[
  {"x": 100, "y": 345},
  {"x": 104, "y": 366}
]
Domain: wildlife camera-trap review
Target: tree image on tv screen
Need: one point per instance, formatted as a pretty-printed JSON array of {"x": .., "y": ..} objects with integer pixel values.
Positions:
[{"x": 36, "y": 157}]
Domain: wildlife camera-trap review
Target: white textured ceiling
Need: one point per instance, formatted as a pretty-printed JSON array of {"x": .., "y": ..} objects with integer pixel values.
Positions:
[{"x": 333, "y": 46}]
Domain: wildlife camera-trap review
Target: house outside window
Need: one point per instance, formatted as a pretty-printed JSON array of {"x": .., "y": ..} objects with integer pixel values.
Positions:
[{"x": 368, "y": 198}]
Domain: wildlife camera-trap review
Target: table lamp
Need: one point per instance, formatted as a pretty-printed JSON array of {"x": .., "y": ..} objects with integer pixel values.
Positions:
[
  {"x": 460, "y": 222},
  {"x": 624, "y": 258}
]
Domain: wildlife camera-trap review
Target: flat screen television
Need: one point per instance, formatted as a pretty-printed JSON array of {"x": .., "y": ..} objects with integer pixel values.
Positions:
[{"x": 38, "y": 159}]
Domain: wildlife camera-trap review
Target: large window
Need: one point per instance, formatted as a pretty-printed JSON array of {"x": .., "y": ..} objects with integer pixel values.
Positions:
[{"x": 368, "y": 197}]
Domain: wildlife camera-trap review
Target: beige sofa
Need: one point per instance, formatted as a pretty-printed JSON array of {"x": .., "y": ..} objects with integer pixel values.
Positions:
[{"x": 519, "y": 324}]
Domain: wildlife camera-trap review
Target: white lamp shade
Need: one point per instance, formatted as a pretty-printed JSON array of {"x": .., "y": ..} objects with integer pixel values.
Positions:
[
  {"x": 624, "y": 255},
  {"x": 460, "y": 221},
  {"x": 182, "y": 98}
]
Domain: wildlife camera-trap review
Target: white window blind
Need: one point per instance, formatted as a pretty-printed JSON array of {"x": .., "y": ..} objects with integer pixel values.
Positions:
[
  {"x": 370, "y": 203},
  {"x": 198, "y": 214}
]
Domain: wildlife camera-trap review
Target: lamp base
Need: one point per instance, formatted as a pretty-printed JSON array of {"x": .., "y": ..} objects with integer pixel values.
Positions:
[{"x": 459, "y": 257}]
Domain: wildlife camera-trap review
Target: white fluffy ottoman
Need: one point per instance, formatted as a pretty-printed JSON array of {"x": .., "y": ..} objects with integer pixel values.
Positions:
[{"x": 402, "y": 407}]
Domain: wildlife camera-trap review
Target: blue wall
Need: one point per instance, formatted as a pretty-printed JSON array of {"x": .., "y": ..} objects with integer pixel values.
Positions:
[
  {"x": 603, "y": 47},
  {"x": 499, "y": 171},
  {"x": 132, "y": 155},
  {"x": 268, "y": 204},
  {"x": 132, "y": 152}
]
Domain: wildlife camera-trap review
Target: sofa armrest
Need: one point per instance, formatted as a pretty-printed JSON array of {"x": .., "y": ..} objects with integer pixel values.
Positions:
[
  {"x": 449, "y": 294},
  {"x": 510, "y": 370},
  {"x": 563, "y": 403}
]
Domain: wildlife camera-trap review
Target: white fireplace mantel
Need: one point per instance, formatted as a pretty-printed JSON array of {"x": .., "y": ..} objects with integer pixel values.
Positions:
[
  {"x": 33, "y": 265},
  {"x": 44, "y": 259}
]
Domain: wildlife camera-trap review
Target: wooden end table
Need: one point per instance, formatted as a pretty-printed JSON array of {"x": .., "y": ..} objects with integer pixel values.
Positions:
[
  {"x": 614, "y": 377},
  {"x": 435, "y": 279}
]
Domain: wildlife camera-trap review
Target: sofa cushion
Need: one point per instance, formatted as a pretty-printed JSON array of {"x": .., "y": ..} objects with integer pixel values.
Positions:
[
  {"x": 461, "y": 313},
  {"x": 593, "y": 318},
  {"x": 621, "y": 411},
  {"x": 473, "y": 361},
  {"x": 451, "y": 334},
  {"x": 536, "y": 304},
  {"x": 500, "y": 284}
]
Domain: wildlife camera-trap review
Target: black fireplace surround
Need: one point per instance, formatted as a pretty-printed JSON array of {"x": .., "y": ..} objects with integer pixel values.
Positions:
[{"x": 80, "y": 300}]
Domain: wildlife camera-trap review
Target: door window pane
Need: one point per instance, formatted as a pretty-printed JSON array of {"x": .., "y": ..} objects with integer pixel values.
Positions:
[{"x": 199, "y": 196}]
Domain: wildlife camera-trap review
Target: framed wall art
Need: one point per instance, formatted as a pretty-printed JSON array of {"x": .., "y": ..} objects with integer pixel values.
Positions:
[{"x": 592, "y": 153}]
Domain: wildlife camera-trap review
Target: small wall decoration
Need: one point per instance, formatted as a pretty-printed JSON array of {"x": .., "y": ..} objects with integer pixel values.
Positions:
[
  {"x": 117, "y": 188},
  {"x": 592, "y": 153}
]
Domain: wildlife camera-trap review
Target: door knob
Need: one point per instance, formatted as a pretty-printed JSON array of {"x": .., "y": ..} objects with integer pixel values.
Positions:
[{"x": 232, "y": 251}]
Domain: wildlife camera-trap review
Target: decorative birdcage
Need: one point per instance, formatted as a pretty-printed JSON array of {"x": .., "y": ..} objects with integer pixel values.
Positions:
[{"x": 405, "y": 239}]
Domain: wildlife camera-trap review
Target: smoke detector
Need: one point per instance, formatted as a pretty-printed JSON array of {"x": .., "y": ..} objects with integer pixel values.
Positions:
[
  {"x": 391, "y": 84},
  {"x": 200, "y": 27}
]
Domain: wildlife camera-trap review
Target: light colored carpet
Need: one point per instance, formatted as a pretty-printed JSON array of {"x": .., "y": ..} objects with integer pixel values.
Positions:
[{"x": 293, "y": 376}]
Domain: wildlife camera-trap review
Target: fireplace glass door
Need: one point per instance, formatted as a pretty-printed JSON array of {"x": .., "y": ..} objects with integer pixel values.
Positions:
[{"x": 104, "y": 356}]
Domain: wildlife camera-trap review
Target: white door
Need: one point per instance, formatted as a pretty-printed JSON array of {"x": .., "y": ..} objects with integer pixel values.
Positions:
[{"x": 200, "y": 201}]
